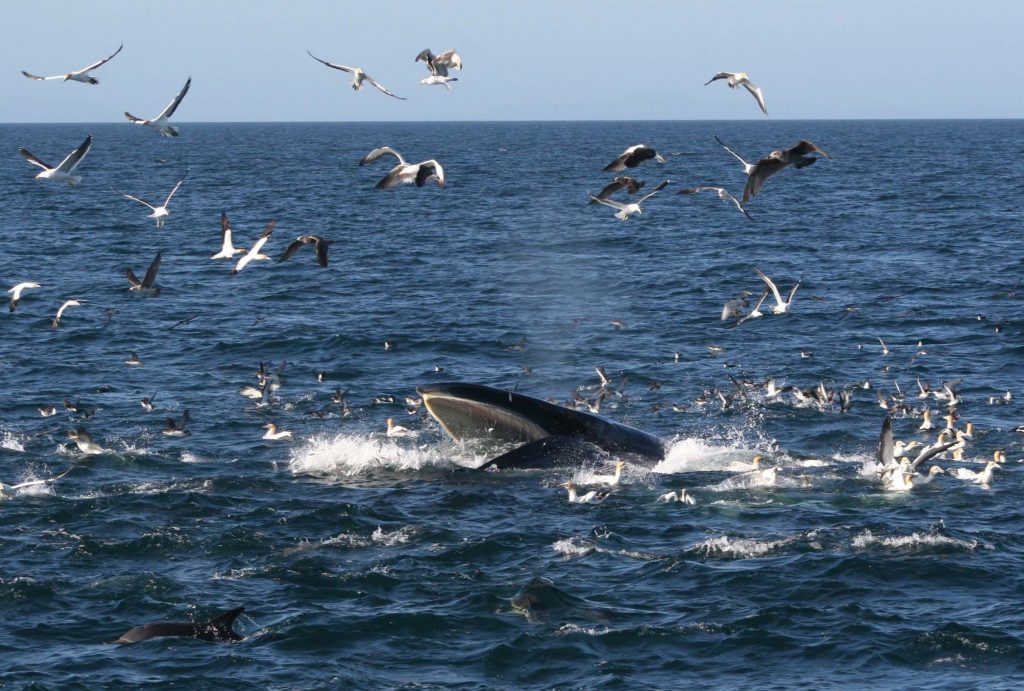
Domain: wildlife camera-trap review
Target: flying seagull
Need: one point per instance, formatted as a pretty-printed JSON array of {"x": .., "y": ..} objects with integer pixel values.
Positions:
[
  {"x": 358, "y": 76},
  {"x": 159, "y": 123},
  {"x": 160, "y": 213},
  {"x": 738, "y": 78},
  {"x": 319, "y": 242},
  {"x": 723, "y": 194},
  {"x": 632, "y": 157},
  {"x": 227, "y": 250},
  {"x": 81, "y": 75},
  {"x": 624, "y": 211},
  {"x": 748, "y": 168},
  {"x": 404, "y": 173},
  {"x": 63, "y": 171},
  {"x": 60, "y": 312},
  {"x": 438, "y": 66},
  {"x": 771, "y": 164},
  {"x": 17, "y": 290},
  {"x": 781, "y": 306},
  {"x": 148, "y": 284},
  {"x": 631, "y": 185},
  {"x": 254, "y": 251}
]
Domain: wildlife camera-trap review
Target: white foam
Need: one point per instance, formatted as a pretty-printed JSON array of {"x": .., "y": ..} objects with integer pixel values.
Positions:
[
  {"x": 349, "y": 454},
  {"x": 395, "y": 537},
  {"x": 11, "y": 442},
  {"x": 694, "y": 454},
  {"x": 573, "y": 547},
  {"x": 737, "y": 547},
  {"x": 913, "y": 541},
  {"x": 567, "y": 629}
]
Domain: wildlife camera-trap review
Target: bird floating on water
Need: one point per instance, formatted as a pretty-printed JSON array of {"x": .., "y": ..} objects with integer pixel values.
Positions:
[
  {"x": 591, "y": 497},
  {"x": 273, "y": 434},
  {"x": 159, "y": 123},
  {"x": 81, "y": 75},
  {"x": 358, "y": 76},
  {"x": 741, "y": 79},
  {"x": 63, "y": 170},
  {"x": 624, "y": 211},
  {"x": 160, "y": 213},
  {"x": 405, "y": 173}
]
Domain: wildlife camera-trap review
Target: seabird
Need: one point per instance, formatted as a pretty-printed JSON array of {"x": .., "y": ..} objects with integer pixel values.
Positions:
[
  {"x": 723, "y": 194},
  {"x": 404, "y": 173},
  {"x": 60, "y": 312},
  {"x": 631, "y": 185},
  {"x": 147, "y": 403},
  {"x": 756, "y": 312},
  {"x": 254, "y": 251},
  {"x": 160, "y": 213},
  {"x": 81, "y": 75},
  {"x": 624, "y": 211},
  {"x": 83, "y": 440},
  {"x": 885, "y": 348},
  {"x": 273, "y": 434},
  {"x": 588, "y": 498},
  {"x": 983, "y": 478},
  {"x": 47, "y": 410},
  {"x": 683, "y": 496},
  {"x": 62, "y": 171},
  {"x": 748, "y": 168},
  {"x": 438, "y": 66},
  {"x": 133, "y": 359},
  {"x": 159, "y": 123},
  {"x": 316, "y": 240},
  {"x": 632, "y": 157},
  {"x": 176, "y": 429},
  {"x": 397, "y": 430},
  {"x": 17, "y": 290},
  {"x": 738, "y": 78},
  {"x": 227, "y": 250},
  {"x": 148, "y": 284},
  {"x": 771, "y": 164},
  {"x": 7, "y": 491},
  {"x": 781, "y": 306},
  {"x": 358, "y": 76},
  {"x": 611, "y": 479}
]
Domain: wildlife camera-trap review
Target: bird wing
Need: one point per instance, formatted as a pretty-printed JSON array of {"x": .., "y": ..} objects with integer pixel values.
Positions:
[
  {"x": 382, "y": 151},
  {"x": 430, "y": 169},
  {"x": 793, "y": 292},
  {"x": 756, "y": 93},
  {"x": 611, "y": 188},
  {"x": 886, "y": 455},
  {"x": 763, "y": 170},
  {"x": 264, "y": 236},
  {"x": 150, "y": 277},
  {"x": 661, "y": 185},
  {"x": 225, "y": 232},
  {"x": 738, "y": 157},
  {"x": 720, "y": 75},
  {"x": 132, "y": 278},
  {"x": 294, "y": 247},
  {"x": 609, "y": 202},
  {"x": 173, "y": 105},
  {"x": 449, "y": 58},
  {"x": 37, "y": 77},
  {"x": 804, "y": 147},
  {"x": 168, "y": 200},
  {"x": 76, "y": 156},
  {"x": 34, "y": 160},
  {"x": 695, "y": 190},
  {"x": 739, "y": 206},
  {"x": 100, "y": 62},
  {"x": 343, "y": 68},
  {"x": 321, "y": 250},
  {"x": 381, "y": 87},
  {"x": 771, "y": 286},
  {"x": 136, "y": 120},
  {"x": 931, "y": 452},
  {"x": 136, "y": 199}
]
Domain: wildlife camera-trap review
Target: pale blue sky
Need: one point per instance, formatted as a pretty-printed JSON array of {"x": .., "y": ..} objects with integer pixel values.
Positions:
[{"x": 525, "y": 60}]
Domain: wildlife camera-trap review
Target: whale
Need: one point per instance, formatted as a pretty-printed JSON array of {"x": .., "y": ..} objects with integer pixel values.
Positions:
[
  {"x": 217, "y": 629},
  {"x": 550, "y": 435}
]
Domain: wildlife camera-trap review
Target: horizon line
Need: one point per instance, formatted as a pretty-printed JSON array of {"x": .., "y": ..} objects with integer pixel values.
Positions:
[{"x": 545, "y": 120}]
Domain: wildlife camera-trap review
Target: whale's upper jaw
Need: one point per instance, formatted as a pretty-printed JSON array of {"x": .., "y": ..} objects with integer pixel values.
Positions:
[{"x": 463, "y": 417}]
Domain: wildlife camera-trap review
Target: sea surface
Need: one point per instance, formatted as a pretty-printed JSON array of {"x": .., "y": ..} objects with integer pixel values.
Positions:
[{"x": 369, "y": 561}]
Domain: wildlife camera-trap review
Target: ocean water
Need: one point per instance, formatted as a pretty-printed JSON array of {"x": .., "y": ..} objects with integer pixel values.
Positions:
[{"x": 368, "y": 561}]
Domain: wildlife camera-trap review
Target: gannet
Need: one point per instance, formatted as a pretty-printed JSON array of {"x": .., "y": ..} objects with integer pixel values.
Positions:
[
  {"x": 771, "y": 164},
  {"x": 756, "y": 312},
  {"x": 227, "y": 250},
  {"x": 900, "y": 480},
  {"x": 590, "y": 497},
  {"x": 632, "y": 157},
  {"x": 17, "y": 290},
  {"x": 358, "y": 76},
  {"x": 81, "y": 75},
  {"x": 983, "y": 477},
  {"x": 177, "y": 429},
  {"x": 611, "y": 479},
  {"x": 63, "y": 171},
  {"x": 405, "y": 173},
  {"x": 397, "y": 430},
  {"x": 624, "y": 211},
  {"x": 60, "y": 312},
  {"x": 254, "y": 251},
  {"x": 148, "y": 284},
  {"x": 748, "y": 168},
  {"x": 273, "y": 434},
  {"x": 315, "y": 240},
  {"x": 723, "y": 194},
  {"x": 160, "y": 213},
  {"x": 159, "y": 123},
  {"x": 8, "y": 491},
  {"x": 927, "y": 423},
  {"x": 631, "y": 185},
  {"x": 683, "y": 496},
  {"x": 83, "y": 440},
  {"x": 781, "y": 306},
  {"x": 740, "y": 78}
]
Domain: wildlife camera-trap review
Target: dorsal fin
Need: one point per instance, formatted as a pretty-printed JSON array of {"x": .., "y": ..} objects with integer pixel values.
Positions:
[{"x": 223, "y": 623}]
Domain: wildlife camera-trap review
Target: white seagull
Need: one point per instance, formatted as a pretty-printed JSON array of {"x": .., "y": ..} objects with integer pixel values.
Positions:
[
  {"x": 60, "y": 312},
  {"x": 624, "y": 211},
  {"x": 160, "y": 213},
  {"x": 405, "y": 173},
  {"x": 438, "y": 66},
  {"x": 781, "y": 306},
  {"x": 227, "y": 250},
  {"x": 159, "y": 123},
  {"x": 81, "y": 75},
  {"x": 63, "y": 171},
  {"x": 17, "y": 290},
  {"x": 148, "y": 283},
  {"x": 358, "y": 76},
  {"x": 748, "y": 168},
  {"x": 723, "y": 194},
  {"x": 254, "y": 251},
  {"x": 632, "y": 157},
  {"x": 741, "y": 78}
]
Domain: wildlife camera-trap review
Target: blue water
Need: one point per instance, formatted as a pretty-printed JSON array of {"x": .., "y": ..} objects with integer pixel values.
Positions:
[{"x": 369, "y": 561}]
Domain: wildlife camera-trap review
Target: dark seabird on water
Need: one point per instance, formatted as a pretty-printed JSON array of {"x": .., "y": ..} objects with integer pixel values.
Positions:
[
  {"x": 405, "y": 173},
  {"x": 771, "y": 164},
  {"x": 319, "y": 242},
  {"x": 159, "y": 123},
  {"x": 632, "y": 157},
  {"x": 741, "y": 79},
  {"x": 723, "y": 194},
  {"x": 148, "y": 284},
  {"x": 358, "y": 76},
  {"x": 81, "y": 75},
  {"x": 63, "y": 170}
]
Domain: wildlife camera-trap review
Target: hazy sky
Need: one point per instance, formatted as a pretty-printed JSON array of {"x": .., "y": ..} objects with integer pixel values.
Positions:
[{"x": 524, "y": 60}]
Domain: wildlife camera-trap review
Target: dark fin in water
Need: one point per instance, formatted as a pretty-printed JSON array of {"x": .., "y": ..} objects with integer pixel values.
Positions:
[
  {"x": 220, "y": 628},
  {"x": 549, "y": 452}
]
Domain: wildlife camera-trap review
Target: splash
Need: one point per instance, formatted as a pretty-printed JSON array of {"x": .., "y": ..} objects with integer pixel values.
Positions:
[
  {"x": 916, "y": 541},
  {"x": 349, "y": 454},
  {"x": 693, "y": 454},
  {"x": 11, "y": 442},
  {"x": 737, "y": 547}
]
